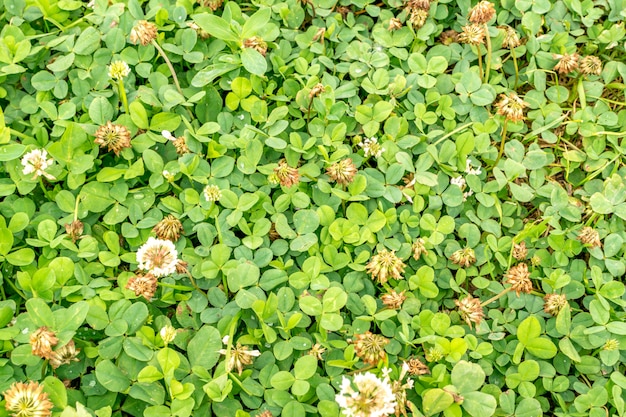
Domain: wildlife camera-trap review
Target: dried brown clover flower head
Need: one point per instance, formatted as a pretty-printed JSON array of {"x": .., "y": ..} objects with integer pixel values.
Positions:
[
  {"x": 519, "y": 251},
  {"x": 553, "y": 303},
  {"x": 257, "y": 44},
  {"x": 567, "y": 63},
  {"x": 144, "y": 285},
  {"x": 266, "y": 413},
  {"x": 418, "y": 18},
  {"x": 344, "y": 11},
  {"x": 286, "y": 175},
  {"x": 418, "y": 5},
  {"x": 416, "y": 367},
  {"x": 448, "y": 37},
  {"x": 181, "y": 267},
  {"x": 27, "y": 400},
  {"x": 511, "y": 106},
  {"x": 342, "y": 172},
  {"x": 472, "y": 34},
  {"x": 470, "y": 310},
  {"x": 419, "y": 248},
  {"x": 394, "y": 24},
  {"x": 384, "y": 265},
  {"x": 74, "y": 230},
  {"x": 64, "y": 355},
  {"x": 317, "y": 350},
  {"x": 591, "y": 65},
  {"x": 203, "y": 34},
  {"x": 240, "y": 356},
  {"x": 590, "y": 236},
  {"x": 113, "y": 137},
  {"x": 519, "y": 278},
  {"x": 169, "y": 228},
  {"x": 370, "y": 347},
  {"x": 464, "y": 257},
  {"x": 482, "y": 13},
  {"x": 273, "y": 233},
  {"x": 41, "y": 342},
  {"x": 180, "y": 144},
  {"x": 511, "y": 38},
  {"x": 144, "y": 32},
  {"x": 211, "y": 4},
  {"x": 316, "y": 90},
  {"x": 393, "y": 299}
]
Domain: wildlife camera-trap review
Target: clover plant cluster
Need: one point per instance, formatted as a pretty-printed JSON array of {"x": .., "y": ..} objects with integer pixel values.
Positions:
[{"x": 308, "y": 208}]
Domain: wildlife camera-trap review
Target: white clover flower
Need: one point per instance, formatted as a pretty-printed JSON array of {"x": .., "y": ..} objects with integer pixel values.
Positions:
[
  {"x": 167, "y": 135},
  {"x": 168, "y": 175},
  {"x": 471, "y": 171},
  {"x": 118, "y": 70},
  {"x": 371, "y": 147},
  {"x": 458, "y": 181},
  {"x": 36, "y": 162},
  {"x": 366, "y": 396},
  {"x": 467, "y": 194},
  {"x": 212, "y": 193},
  {"x": 168, "y": 334},
  {"x": 158, "y": 256}
]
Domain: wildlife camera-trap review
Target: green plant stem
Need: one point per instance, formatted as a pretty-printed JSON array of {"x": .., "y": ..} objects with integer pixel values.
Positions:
[
  {"x": 169, "y": 65},
  {"x": 488, "y": 56},
  {"x": 14, "y": 288},
  {"x": 496, "y": 297},
  {"x": 43, "y": 188},
  {"x": 120, "y": 85},
  {"x": 516, "y": 69},
  {"x": 480, "y": 61},
  {"x": 21, "y": 135},
  {"x": 502, "y": 142}
]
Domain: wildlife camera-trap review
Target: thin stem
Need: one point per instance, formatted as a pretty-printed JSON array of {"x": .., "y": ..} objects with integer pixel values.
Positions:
[
  {"x": 120, "y": 85},
  {"x": 14, "y": 288},
  {"x": 516, "y": 69},
  {"x": 503, "y": 140},
  {"x": 495, "y": 297},
  {"x": 43, "y": 188},
  {"x": 480, "y": 60},
  {"x": 488, "y": 57},
  {"x": 169, "y": 65},
  {"x": 21, "y": 135}
]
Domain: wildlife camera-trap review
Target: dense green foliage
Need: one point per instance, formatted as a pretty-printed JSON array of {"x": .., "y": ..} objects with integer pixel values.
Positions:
[{"x": 359, "y": 185}]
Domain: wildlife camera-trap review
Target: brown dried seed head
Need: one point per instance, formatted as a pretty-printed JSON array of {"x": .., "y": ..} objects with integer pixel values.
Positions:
[
  {"x": 180, "y": 144},
  {"x": 418, "y": 18},
  {"x": 416, "y": 367},
  {"x": 317, "y": 350},
  {"x": 342, "y": 172},
  {"x": 519, "y": 251},
  {"x": 591, "y": 65},
  {"x": 590, "y": 236},
  {"x": 257, "y": 44},
  {"x": 511, "y": 38},
  {"x": 286, "y": 175},
  {"x": 393, "y": 300},
  {"x": 169, "y": 228},
  {"x": 316, "y": 90},
  {"x": 211, "y": 4},
  {"x": 553, "y": 303},
  {"x": 449, "y": 37},
  {"x": 144, "y": 285},
  {"x": 418, "y": 5},
  {"x": 511, "y": 106},
  {"x": 464, "y": 257},
  {"x": 370, "y": 347},
  {"x": 472, "y": 34},
  {"x": 419, "y": 248},
  {"x": 64, "y": 355},
  {"x": 519, "y": 278},
  {"x": 41, "y": 342},
  {"x": 567, "y": 63},
  {"x": 394, "y": 24},
  {"x": 74, "y": 230},
  {"x": 482, "y": 13},
  {"x": 113, "y": 137},
  {"x": 384, "y": 265},
  {"x": 144, "y": 32},
  {"x": 470, "y": 310}
]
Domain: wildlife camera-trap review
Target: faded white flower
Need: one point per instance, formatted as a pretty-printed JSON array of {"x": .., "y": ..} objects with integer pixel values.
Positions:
[
  {"x": 458, "y": 181},
  {"x": 158, "y": 256},
  {"x": 366, "y": 396},
  {"x": 467, "y": 194},
  {"x": 35, "y": 162},
  {"x": 240, "y": 356},
  {"x": 212, "y": 193},
  {"x": 371, "y": 147},
  {"x": 167, "y": 135},
  {"x": 168, "y": 334},
  {"x": 470, "y": 170},
  {"x": 168, "y": 175}
]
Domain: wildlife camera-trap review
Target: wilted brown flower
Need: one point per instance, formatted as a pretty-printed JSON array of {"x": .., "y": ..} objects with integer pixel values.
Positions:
[
  {"x": 370, "y": 347},
  {"x": 519, "y": 251},
  {"x": 266, "y": 413},
  {"x": 113, "y": 137},
  {"x": 257, "y": 44},
  {"x": 519, "y": 278},
  {"x": 394, "y": 24},
  {"x": 319, "y": 35},
  {"x": 419, "y": 248},
  {"x": 316, "y": 90},
  {"x": 181, "y": 267},
  {"x": 273, "y": 234},
  {"x": 472, "y": 34},
  {"x": 342, "y": 172},
  {"x": 317, "y": 350},
  {"x": 591, "y": 65},
  {"x": 416, "y": 367},
  {"x": 202, "y": 33},
  {"x": 448, "y": 37},
  {"x": 511, "y": 106},
  {"x": 418, "y": 5},
  {"x": 64, "y": 355},
  {"x": 27, "y": 400},
  {"x": 384, "y": 265},
  {"x": 567, "y": 63},
  {"x": 143, "y": 32},
  {"x": 590, "y": 236},
  {"x": 464, "y": 257},
  {"x": 287, "y": 176},
  {"x": 470, "y": 310},
  {"x": 418, "y": 18},
  {"x": 169, "y": 228},
  {"x": 180, "y": 144},
  {"x": 393, "y": 299},
  {"x": 343, "y": 11},
  {"x": 145, "y": 285},
  {"x": 553, "y": 303},
  {"x": 482, "y": 13},
  {"x": 211, "y": 4},
  {"x": 74, "y": 230},
  {"x": 511, "y": 38},
  {"x": 41, "y": 342},
  {"x": 240, "y": 356}
]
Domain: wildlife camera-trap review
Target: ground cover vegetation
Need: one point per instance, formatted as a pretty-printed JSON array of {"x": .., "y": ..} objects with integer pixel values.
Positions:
[{"x": 312, "y": 208}]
